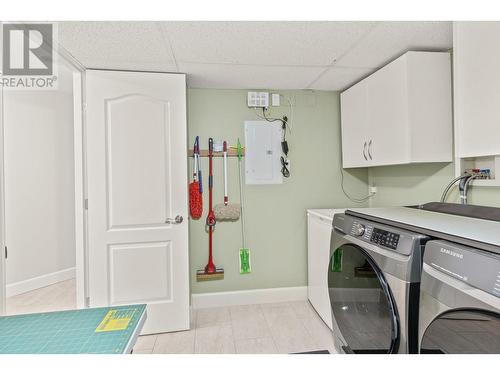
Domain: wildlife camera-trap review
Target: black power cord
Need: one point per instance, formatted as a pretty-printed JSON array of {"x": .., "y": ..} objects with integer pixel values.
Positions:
[
  {"x": 284, "y": 144},
  {"x": 284, "y": 168}
]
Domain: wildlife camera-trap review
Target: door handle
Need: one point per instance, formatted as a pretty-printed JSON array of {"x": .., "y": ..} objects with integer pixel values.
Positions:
[
  {"x": 364, "y": 151},
  {"x": 370, "y": 149},
  {"x": 178, "y": 219}
]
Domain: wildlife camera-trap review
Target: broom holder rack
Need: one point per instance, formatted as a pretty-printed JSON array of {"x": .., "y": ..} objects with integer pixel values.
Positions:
[{"x": 217, "y": 154}]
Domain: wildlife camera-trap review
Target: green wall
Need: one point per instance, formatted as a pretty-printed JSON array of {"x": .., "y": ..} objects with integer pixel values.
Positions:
[
  {"x": 420, "y": 183},
  {"x": 275, "y": 215},
  {"x": 401, "y": 185}
]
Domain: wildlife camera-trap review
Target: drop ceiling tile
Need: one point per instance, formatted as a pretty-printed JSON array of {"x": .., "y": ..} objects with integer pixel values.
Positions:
[
  {"x": 338, "y": 79},
  {"x": 227, "y": 76},
  {"x": 264, "y": 43},
  {"x": 117, "y": 45},
  {"x": 388, "y": 40}
]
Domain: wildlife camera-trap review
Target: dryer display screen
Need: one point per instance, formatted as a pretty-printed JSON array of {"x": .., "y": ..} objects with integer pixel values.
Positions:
[{"x": 385, "y": 238}]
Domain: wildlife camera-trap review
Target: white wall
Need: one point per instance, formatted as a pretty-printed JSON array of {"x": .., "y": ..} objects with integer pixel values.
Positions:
[{"x": 39, "y": 183}]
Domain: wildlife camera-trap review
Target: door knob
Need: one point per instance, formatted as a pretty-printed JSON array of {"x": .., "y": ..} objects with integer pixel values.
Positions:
[{"x": 178, "y": 219}]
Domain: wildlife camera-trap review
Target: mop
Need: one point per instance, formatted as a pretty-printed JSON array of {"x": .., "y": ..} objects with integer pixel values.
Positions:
[
  {"x": 210, "y": 272},
  {"x": 226, "y": 211},
  {"x": 244, "y": 258},
  {"x": 195, "y": 197}
]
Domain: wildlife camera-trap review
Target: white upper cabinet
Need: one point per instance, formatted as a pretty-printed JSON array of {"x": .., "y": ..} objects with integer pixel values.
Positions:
[
  {"x": 353, "y": 148},
  {"x": 400, "y": 114},
  {"x": 477, "y": 88}
]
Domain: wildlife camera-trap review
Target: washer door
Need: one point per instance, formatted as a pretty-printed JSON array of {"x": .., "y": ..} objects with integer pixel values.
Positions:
[
  {"x": 464, "y": 331},
  {"x": 362, "y": 305}
]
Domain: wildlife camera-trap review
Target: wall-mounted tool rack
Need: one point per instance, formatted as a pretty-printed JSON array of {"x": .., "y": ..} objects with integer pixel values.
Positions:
[{"x": 218, "y": 154}]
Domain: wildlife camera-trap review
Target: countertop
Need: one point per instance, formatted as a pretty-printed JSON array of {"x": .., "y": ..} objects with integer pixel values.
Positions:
[{"x": 325, "y": 213}]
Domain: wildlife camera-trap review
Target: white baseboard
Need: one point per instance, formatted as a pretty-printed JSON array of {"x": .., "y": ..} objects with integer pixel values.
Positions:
[
  {"x": 40, "y": 281},
  {"x": 248, "y": 297}
]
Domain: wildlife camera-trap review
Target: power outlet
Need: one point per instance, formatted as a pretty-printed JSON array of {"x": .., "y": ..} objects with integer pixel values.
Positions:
[{"x": 373, "y": 190}]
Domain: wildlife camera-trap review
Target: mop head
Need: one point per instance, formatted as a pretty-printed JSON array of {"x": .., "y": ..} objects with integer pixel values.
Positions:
[
  {"x": 230, "y": 212},
  {"x": 201, "y": 275}
]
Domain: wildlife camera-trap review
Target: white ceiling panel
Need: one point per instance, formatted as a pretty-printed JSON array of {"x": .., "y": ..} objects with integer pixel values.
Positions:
[
  {"x": 264, "y": 43},
  {"x": 277, "y": 55},
  {"x": 118, "y": 45},
  {"x": 388, "y": 40},
  {"x": 338, "y": 79},
  {"x": 248, "y": 76}
]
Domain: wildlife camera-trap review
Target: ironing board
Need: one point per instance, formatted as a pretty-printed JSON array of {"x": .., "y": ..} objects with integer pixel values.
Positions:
[{"x": 106, "y": 330}]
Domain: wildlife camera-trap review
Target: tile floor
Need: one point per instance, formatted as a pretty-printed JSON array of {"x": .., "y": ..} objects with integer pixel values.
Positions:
[
  {"x": 287, "y": 327},
  {"x": 55, "y": 297}
]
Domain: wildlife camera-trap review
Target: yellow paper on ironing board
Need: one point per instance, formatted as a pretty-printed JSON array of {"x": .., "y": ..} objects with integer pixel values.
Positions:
[{"x": 115, "y": 320}]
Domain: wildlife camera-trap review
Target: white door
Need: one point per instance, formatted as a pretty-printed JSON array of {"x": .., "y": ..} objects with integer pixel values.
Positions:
[
  {"x": 354, "y": 126},
  {"x": 137, "y": 184},
  {"x": 388, "y": 123}
]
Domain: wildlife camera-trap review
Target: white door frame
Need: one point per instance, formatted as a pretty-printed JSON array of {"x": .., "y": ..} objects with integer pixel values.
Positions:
[
  {"x": 80, "y": 190},
  {"x": 3, "y": 279},
  {"x": 80, "y": 178},
  {"x": 80, "y": 218}
]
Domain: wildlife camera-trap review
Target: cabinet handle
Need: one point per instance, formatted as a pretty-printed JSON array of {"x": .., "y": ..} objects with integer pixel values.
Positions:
[
  {"x": 370, "y": 149},
  {"x": 364, "y": 151}
]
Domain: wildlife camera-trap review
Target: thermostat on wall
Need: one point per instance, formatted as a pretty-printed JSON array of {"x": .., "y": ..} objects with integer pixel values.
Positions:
[{"x": 258, "y": 99}]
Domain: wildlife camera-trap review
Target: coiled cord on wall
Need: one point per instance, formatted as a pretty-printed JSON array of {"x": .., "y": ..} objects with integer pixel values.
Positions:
[{"x": 355, "y": 200}]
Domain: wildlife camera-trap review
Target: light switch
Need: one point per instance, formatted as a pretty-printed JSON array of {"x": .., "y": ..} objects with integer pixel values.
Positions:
[{"x": 275, "y": 100}]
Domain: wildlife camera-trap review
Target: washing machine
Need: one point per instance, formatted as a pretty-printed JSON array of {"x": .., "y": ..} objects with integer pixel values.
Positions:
[
  {"x": 460, "y": 299},
  {"x": 374, "y": 285}
]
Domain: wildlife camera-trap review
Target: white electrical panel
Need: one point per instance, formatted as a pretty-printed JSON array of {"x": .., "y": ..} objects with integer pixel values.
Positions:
[
  {"x": 258, "y": 99},
  {"x": 262, "y": 153}
]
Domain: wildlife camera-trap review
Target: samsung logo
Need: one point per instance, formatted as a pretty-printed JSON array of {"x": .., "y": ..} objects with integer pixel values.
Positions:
[{"x": 452, "y": 253}]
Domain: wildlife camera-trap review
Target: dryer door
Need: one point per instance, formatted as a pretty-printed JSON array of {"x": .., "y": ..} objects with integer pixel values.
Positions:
[
  {"x": 362, "y": 305},
  {"x": 465, "y": 331}
]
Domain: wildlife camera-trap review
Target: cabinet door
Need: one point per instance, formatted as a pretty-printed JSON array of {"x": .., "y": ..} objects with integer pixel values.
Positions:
[
  {"x": 353, "y": 117},
  {"x": 477, "y": 81},
  {"x": 387, "y": 107}
]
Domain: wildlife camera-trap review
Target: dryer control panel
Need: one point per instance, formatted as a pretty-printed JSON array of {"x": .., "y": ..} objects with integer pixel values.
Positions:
[
  {"x": 375, "y": 235},
  {"x": 385, "y": 238}
]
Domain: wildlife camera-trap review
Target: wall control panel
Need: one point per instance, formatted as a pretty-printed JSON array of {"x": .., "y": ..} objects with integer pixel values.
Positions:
[{"x": 258, "y": 99}]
